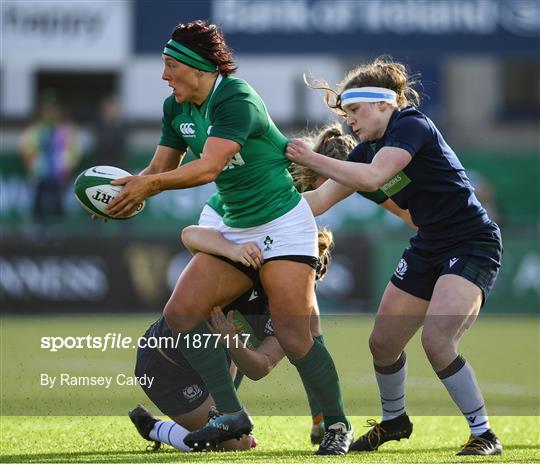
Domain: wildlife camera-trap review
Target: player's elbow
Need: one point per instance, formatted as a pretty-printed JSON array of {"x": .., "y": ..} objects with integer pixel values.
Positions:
[
  {"x": 211, "y": 175},
  {"x": 372, "y": 179},
  {"x": 260, "y": 370},
  {"x": 211, "y": 172}
]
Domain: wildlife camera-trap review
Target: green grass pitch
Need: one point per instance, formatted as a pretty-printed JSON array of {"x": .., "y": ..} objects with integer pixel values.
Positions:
[
  {"x": 88, "y": 424},
  {"x": 281, "y": 440}
]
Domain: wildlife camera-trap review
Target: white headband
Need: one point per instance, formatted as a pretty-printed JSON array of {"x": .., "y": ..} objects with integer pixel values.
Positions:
[{"x": 367, "y": 94}]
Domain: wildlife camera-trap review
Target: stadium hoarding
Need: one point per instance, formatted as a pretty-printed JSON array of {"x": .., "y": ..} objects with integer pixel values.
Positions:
[
  {"x": 111, "y": 274},
  {"x": 427, "y": 28},
  {"x": 48, "y": 37},
  {"x": 65, "y": 32},
  {"x": 122, "y": 273}
]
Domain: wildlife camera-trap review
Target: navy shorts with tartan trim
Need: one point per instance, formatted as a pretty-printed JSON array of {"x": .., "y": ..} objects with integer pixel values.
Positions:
[{"x": 477, "y": 261}]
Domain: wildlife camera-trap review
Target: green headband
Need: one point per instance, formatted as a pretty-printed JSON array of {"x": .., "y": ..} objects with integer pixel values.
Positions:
[{"x": 189, "y": 57}]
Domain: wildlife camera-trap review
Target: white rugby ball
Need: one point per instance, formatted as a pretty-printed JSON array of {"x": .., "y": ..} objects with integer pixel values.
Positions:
[{"x": 94, "y": 191}]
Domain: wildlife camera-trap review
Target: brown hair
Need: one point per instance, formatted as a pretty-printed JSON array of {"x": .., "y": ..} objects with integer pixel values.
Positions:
[
  {"x": 381, "y": 72},
  {"x": 207, "y": 40},
  {"x": 329, "y": 141},
  {"x": 326, "y": 242}
]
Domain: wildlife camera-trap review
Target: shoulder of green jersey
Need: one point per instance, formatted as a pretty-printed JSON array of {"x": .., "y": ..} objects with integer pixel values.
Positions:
[
  {"x": 171, "y": 107},
  {"x": 234, "y": 86}
]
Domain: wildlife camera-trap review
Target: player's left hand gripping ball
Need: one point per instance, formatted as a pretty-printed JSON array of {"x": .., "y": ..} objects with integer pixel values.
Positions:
[
  {"x": 135, "y": 190},
  {"x": 95, "y": 192}
]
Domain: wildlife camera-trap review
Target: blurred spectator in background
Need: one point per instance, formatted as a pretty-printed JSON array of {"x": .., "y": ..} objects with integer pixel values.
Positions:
[
  {"x": 50, "y": 152},
  {"x": 110, "y": 135}
]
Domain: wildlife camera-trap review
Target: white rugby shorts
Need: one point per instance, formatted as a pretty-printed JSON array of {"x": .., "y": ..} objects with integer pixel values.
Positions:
[
  {"x": 209, "y": 217},
  {"x": 294, "y": 233}
]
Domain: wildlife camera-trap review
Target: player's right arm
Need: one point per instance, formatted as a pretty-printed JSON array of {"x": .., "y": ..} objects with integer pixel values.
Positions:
[
  {"x": 331, "y": 192},
  {"x": 326, "y": 196},
  {"x": 255, "y": 364},
  {"x": 164, "y": 159},
  {"x": 210, "y": 241}
]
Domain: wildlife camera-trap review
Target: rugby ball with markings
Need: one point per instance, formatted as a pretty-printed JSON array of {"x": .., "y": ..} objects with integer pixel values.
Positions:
[{"x": 94, "y": 191}]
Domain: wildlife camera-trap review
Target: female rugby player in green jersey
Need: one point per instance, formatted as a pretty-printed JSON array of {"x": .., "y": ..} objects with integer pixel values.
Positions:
[
  {"x": 226, "y": 125},
  {"x": 444, "y": 277}
]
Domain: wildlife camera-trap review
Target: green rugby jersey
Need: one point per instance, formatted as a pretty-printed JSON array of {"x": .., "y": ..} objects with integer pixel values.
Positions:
[
  {"x": 255, "y": 186},
  {"x": 216, "y": 204}
]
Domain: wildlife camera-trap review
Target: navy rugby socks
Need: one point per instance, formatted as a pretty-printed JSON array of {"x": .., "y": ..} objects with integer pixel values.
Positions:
[
  {"x": 319, "y": 374},
  {"x": 212, "y": 366}
]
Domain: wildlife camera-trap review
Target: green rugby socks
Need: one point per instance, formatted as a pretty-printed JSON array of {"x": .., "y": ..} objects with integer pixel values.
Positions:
[
  {"x": 212, "y": 366},
  {"x": 319, "y": 375},
  {"x": 314, "y": 405},
  {"x": 238, "y": 379}
]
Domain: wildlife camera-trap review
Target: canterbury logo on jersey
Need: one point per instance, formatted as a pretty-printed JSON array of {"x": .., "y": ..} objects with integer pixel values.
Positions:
[{"x": 187, "y": 129}]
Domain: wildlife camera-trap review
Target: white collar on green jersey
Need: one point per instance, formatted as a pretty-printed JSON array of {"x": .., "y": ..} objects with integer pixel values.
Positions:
[{"x": 216, "y": 84}]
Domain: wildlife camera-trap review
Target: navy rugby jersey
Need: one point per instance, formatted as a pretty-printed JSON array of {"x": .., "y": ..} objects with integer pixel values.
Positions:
[
  {"x": 433, "y": 186},
  {"x": 251, "y": 316}
]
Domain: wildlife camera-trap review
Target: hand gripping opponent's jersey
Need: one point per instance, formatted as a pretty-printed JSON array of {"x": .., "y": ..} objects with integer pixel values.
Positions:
[
  {"x": 255, "y": 186},
  {"x": 433, "y": 186}
]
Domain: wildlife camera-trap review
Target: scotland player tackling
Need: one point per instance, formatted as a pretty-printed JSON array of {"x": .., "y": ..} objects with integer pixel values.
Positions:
[{"x": 445, "y": 275}]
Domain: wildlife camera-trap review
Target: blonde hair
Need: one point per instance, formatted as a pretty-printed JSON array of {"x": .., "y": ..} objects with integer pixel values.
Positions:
[
  {"x": 381, "y": 72},
  {"x": 329, "y": 141},
  {"x": 326, "y": 242}
]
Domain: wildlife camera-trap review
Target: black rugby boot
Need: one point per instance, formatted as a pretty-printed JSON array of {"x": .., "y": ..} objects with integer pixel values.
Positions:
[
  {"x": 484, "y": 444},
  {"x": 389, "y": 430},
  {"x": 218, "y": 429},
  {"x": 144, "y": 421}
]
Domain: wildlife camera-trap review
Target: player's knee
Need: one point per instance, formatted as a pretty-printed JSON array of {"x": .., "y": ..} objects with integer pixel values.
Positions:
[
  {"x": 179, "y": 317},
  {"x": 379, "y": 345},
  {"x": 435, "y": 344},
  {"x": 187, "y": 235},
  {"x": 295, "y": 344}
]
